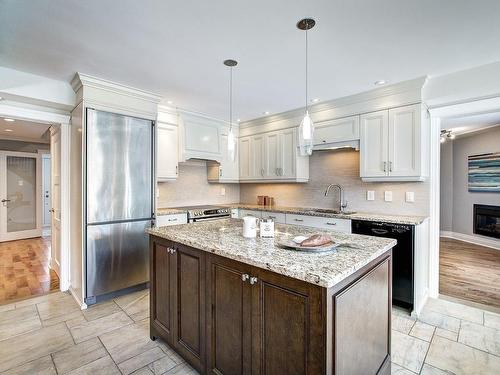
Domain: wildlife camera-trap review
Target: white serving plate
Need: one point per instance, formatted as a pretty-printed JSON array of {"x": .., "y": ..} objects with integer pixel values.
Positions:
[{"x": 290, "y": 244}]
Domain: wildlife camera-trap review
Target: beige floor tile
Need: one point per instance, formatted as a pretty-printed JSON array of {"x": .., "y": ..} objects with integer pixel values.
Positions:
[
  {"x": 430, "y": 370},
  {"x": 86, "y": 330},
  {"x": 46, "y": 297},
  {"x": 10, "y": 306},
  {"x": 128, "y": 300},
  {"x": 79, "y": 355},
  {"x": 491, "y": 320},
  {"x": 398, "y": 370},
  {"x": 402, "y": 323},
  {"x": 455, "y": 310},
  {"x": 137, "y": 308},
  {"x": 182, "y": 369},
  {"x": 422, "y": 331},
  {"x": 32, "y": 345},
  {"x": 143, "y": 371},
  {"x": 162, "y": 365},
  {"x": 439, "y": 320},
  {"x": 41, "y": 366},
  {"x": 447, "y": 334},
  {"x": 74, "y": 316},
  {"x": 101, "y": 309},
  {"x": 408, "y": 352},
  {"x": 141, "y": 360},
  {"x": 56, "y": 311},
  {"x": 480, "y": 337},
  {"x": 101, "y": 366},
  {"x": 461, "y": 359},
  {"x": 18, "y": 321},
  {"x": 129, "y": 341}
]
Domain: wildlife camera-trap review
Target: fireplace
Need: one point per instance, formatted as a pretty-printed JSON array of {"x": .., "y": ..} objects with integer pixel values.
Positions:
[{"x": 487, "y": 220}]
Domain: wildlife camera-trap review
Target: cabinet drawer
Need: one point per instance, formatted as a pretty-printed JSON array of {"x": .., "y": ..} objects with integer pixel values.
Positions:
[
  {"x": 244, "y": 213},
  {"x": 278, "y": 217},
  {"x": 339, "y": 225},
  {"x": 176, "y": 219}
]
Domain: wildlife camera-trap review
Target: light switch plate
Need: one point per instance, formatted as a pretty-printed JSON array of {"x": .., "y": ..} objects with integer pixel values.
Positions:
[
  {"x": 410, "y": 196},
  {"x": 388, "y": 196},
  {"x": 222, "y": 191},
  {"x": 370, "y": 195}
]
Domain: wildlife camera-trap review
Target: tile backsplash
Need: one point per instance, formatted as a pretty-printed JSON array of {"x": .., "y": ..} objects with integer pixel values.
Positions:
[{"x": 342, "y": 167}]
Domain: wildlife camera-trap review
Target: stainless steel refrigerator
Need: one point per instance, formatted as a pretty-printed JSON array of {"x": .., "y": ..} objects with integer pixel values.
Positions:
[{"x": 118, "y": 202}]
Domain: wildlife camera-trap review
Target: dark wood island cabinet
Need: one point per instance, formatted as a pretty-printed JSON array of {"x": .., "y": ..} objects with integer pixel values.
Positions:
[{"x": 230, "y": 317}]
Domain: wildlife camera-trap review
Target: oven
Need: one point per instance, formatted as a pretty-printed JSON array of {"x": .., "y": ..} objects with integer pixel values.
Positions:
[{"x": 200, "y": 214}]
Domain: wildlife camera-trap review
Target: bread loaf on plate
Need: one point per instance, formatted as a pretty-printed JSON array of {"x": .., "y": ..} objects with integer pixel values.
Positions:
[{"x": 317, "y": 240}]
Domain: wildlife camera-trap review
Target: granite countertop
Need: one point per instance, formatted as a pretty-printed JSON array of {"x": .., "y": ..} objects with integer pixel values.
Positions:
[
  {"x": 367, "y": 216},
  {"x": 224, "y": 238},
  {"x": 169, "y": 211}
]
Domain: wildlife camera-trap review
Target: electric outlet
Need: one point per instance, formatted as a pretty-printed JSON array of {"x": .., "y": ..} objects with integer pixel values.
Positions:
[
  {"x": 388, "y": 196},
  {"x": 410, "y": 196},
  {"x": 370, "y": 195},
  {"x": 222, "y": 191}
]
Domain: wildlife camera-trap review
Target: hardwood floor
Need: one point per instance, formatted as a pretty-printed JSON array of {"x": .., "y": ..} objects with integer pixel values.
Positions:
[
  {"x": 24, "y": 269},
  {"x": 470, "y": 272}
]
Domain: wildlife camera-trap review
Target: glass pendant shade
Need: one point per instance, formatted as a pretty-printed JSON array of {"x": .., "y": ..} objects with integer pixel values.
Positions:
[
  {"x": 231, "y": 145},
  {"x": 306, "y": 132}
]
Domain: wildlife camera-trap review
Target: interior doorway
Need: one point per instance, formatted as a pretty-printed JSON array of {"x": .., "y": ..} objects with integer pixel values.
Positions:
[
  {"x": 30, "y": 261},
  {"x": 469, "y": 245}
]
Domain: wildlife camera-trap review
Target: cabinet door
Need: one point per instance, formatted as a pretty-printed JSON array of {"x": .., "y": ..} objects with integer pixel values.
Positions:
[
  {"x": 287, "y": 326},
  {"x": 288, "y": 154},
  {"x": 404, "y": 141},
  {"x": 228, "y": 324},
  {"x": 162, "y": 266},
  {"x": 258, "y": 155},
  {"x": 272, "y": 160},
  {"x": 166, "y": 152},
  {"x": 189, "y": 305},
  {"x": 373, "y": 144},
  {"x": 244, "y": 157}
]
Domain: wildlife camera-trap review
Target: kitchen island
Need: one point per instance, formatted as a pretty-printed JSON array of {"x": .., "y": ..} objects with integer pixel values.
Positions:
[{"x": 231, "y": 305}]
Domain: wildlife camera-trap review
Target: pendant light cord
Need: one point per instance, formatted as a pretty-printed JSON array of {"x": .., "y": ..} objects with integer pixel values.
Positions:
[
  {"x": 307, "y": 27},
  {"x": 231, "y": 98}
]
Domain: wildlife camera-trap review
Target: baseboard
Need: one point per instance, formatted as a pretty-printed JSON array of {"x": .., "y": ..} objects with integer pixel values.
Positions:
[
  {"x": 82, "y": 305},
  {"x": 475, "y": 239}
]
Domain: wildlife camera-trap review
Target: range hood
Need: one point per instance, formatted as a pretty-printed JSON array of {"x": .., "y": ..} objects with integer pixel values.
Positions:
[{"x": 353, "y": 144}]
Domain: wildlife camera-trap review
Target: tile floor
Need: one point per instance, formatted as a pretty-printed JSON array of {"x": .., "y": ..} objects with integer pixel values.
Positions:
[{"x": 51, "y": 335}]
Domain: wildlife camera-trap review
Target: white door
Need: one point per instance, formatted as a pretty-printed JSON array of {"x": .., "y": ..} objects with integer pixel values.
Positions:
[
  {"x": 166, "y": 152},
  {"x": 404, "y": 141},
  {"x": 288, "y": 152},
  {"x": 271, "y": 161},
  {"x": 20, "y": 195},
  {"x": 257, "y": 155},
  {"x": 244, "y": 158},
  {"x": 46, "y": 190},
  {"x": 373, "y": 144},
  {"x": 55, "y": 150}
]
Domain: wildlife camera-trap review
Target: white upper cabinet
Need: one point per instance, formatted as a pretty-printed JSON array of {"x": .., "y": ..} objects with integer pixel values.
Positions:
[
  {"x": 244, "y": 158},
  {"x": 272, "y": 155},
  {"x": 287, "y": 165},
  {"x": 166, "y": 152},
  {"x": 227, "y": 171},
  {"x": 338, "y": 130},
  {"x": 258, "y": 156},
  {"x": 391, "y": 145}
]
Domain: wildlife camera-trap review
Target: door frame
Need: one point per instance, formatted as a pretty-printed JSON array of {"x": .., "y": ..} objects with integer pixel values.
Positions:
[
  {"x": 31, "y": 233},
  {"x": 51, "y": 116},
  {"x": 437, "y": 113},
  {"x": 46, "y": 154}
]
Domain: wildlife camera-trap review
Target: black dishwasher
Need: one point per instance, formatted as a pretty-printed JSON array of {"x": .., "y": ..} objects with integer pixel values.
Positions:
[{"x": 402, "y": 256}]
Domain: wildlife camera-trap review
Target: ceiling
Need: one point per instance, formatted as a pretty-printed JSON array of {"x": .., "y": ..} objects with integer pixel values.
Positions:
[
  {"x": 23, "y": 130},
  {"x": 469, "y": 124},
  {"x": 176, "y": 48}
]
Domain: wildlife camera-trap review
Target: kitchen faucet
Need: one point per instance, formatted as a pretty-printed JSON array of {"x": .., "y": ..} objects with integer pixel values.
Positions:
[{"x": 342, "y": 204}]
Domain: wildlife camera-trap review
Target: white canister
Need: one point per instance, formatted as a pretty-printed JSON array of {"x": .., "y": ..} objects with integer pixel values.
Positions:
[
  {"x": 267, "y": 227},
  {"x": 250, "y": 226}
]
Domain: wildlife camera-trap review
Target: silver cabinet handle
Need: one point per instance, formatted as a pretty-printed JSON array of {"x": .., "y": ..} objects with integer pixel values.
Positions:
[
  {"x": 385, "y": 166},
  {"x": 220, "y": 172},
  {"x": 298, "y": 219},
  {"x": 253, "y": 280},
  {"x": 390, "y": 166},
  {"x": 329, "y": 223},
  {"x": 169, "y": 250},
  {"x": 245, "y": 277},
  {"x": 262, "y": 172},
  {"x": 176, "y": 169},
  {"x": 175, "y": 219},
  {"x": 173, "y": 251}
]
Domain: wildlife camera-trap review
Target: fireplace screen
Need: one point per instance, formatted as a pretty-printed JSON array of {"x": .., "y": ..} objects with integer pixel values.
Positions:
[{"x": 487, "y": 220}]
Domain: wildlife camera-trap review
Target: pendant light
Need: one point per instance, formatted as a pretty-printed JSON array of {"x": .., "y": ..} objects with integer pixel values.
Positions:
[
  {"x": 231, "y": 140},
  {"x": 306, "y": 128}
]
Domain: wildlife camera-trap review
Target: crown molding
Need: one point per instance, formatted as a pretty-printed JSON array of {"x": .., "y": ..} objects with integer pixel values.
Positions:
[
  {"x": 24, "y": 139},
  {"x": 182, "y": 111},
  {"x": 84, "y": 80},
  {"x": 414, "y": 85}
]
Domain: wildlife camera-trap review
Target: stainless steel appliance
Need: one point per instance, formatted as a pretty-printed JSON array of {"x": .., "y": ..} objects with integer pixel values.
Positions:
[
  {"x": 118, "y": 204},
  {"x": 206, "y": 213}
]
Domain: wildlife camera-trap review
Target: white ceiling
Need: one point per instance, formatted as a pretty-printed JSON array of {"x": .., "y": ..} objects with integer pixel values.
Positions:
[
  {"x": 176, "y": 48},
  {"x": 468, "y": 124},
  {"x": 23, "y": 130}
]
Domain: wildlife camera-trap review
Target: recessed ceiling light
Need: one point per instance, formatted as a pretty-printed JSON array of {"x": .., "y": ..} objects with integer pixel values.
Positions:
[
  {"x": 1, "y": 98},
  {"x": 380, "y": 82},
  {"x": 8, "y": 130},
  {"x": 9, "y": 119},
  {"x": 238, "y": 120},
  {"x": 170, "y": 102},
  {"x": 265, "y": 113},
  {"x": 315, "y": 100}
]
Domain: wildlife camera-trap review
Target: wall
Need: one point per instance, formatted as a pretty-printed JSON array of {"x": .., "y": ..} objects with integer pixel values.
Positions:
[
  {"x": 8, "y": 145},
  {"x": 192, "y": 188},
  {"x": 446, "y": 183},
  {"x": 463, "y": 200},
  {"x": 342, "y": 167}
]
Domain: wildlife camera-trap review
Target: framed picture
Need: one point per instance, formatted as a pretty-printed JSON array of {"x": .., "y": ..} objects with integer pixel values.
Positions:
[{"x": 484, "y": 172}]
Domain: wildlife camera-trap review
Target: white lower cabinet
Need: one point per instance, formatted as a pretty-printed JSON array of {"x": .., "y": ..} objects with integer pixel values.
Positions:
[
  {"x": 278, "y": 217},
  {"x": 174, "y": 219},
  {"x": 339, "y": 225},
  {"x": 242, "y": 213}
]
